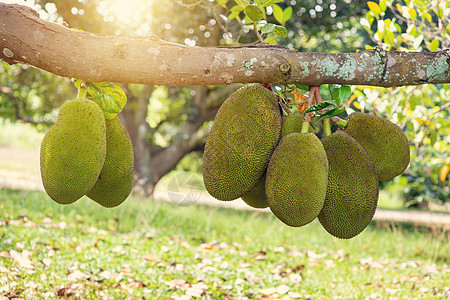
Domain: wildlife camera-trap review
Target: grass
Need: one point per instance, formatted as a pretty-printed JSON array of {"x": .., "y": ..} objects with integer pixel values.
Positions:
[
  {"x": 158, "y": 250},
  {"x": 19, "y": 135}
]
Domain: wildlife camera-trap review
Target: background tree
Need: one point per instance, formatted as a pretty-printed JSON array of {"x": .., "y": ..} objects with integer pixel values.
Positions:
[
  {"x": 423, "y": 111},
  {"x": 167, "y": 120}
]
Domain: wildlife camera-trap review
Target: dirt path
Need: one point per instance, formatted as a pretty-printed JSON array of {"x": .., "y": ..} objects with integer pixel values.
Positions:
[{"x": 20, "y": 169}]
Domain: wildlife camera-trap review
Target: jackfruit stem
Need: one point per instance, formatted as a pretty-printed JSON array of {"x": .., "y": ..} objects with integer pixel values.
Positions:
[
  {"x": 326, "y": 127},
  {"x": 257, "y": 33},
  {"x": 305, "y": 127},
  {"x": 82, "y": 91},
  {"x": 343, "y": 123}
]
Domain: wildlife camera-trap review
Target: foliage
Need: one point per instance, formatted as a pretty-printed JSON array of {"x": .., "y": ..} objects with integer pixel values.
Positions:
[
  {"x": 110, "y": 97},
  {"x": 422, "y": 111},
  {"x": 31, "y": 95},
  {"x": 159, "y": 250}
]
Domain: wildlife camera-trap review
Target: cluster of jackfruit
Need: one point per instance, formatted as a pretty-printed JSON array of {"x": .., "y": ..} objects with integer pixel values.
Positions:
[
  {"x": 85, "y": 154},
  {"x": 270, "y": 160}
]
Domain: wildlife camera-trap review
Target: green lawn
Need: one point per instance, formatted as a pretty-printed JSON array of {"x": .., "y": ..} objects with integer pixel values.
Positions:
[{"x": 157, "y": 250}]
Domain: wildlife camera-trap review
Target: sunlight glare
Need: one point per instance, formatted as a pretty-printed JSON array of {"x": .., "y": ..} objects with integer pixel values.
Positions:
[{"x": 124, "y": 11}]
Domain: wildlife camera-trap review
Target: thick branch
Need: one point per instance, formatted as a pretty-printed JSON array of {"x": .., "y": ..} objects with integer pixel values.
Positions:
[{"x": 25, "y": 38}]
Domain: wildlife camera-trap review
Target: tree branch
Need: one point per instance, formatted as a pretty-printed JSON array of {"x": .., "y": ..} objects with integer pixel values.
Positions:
[{"x": 25, "y": 38}]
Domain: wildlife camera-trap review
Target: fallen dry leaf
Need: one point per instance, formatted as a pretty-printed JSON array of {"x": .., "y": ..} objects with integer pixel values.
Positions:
[
  {"x": 197, "y": 289},
  {"x": 47, "y": 261},
  {"x": 261, "y": 255},
  {"x": 178, "y": 283},
  {"x": 279, "y": 249},
  {"x": 148, "y": 257},
  {"x": 22, "y": 260},
  {"x": 105, "y": 274},
  {"x": 313, "y": 255},
  {"x": 76, "y": 275},
  {"x": 117, "y": 276},
  {"x": 268, "y": 291},
  {"x": 46, "y": 220},
  {"x": 282, "y": 289},
  {"x": 29, "y": 224},
  {"x": 65, "y": 292},
  {"x": 5, "y": 254}
]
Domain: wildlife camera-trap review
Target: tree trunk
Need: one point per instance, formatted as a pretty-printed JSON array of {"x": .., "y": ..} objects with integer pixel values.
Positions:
[
  {"x": 151, "y": 162},
  {"x": 134, "y": 118}
]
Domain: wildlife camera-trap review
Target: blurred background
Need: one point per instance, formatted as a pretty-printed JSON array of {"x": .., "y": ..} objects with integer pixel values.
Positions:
[{"x": 168, "y": 125}]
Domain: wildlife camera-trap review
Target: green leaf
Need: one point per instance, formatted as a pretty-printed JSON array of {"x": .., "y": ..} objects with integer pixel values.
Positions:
[
  {"x": 344, "y": 93},
  {"x": 302, "y": 87},
  {"x": 434, "y": 45},
  {"x": 383, "y": 5},
  {"x": 267, "y": 3},
  {"x": 233, "y": 14},
  {"x": 389, "y": 38},
  {"x": 110, "y": 97},
  {"x": 287, "y": 14},
  {"x": 319, "y": 106},
  {"x": 241, "y": 3},
  {"x": 254, "y": 13},
  {"x": 237, "y": 8},
  {"x": 426, "y": 16},
  {"x": 334, "y": 93},
  {"x": 280, "y": 31},
  {"x": 278, "y": 14},
  {"x": 271, "y": 40},
  {"x": 374, "y": 7},
  {"x": 418, "y": 41},
  {"x": 364, "y": 22},
  {"x": 222, "y": 3},
  {"x": 412, "y": 13},
  {"x": 333, "y": 113},
  {"x": 259, "y": 3},
  {"x": 267, "y": 28}
]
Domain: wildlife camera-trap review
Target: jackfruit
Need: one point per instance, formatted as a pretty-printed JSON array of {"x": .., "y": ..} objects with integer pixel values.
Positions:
[
  {"x": 256, "y": 197},
  {"x": 296, "y": 180},
  {"x": 243, "y": 136},
  {"x": 385, "y": 142},
  {"x": 352, "y": 190},
  {"x": 73, "y": 151},
  {"x": 116, "y": 178},
  {"x": 292, "y": 123}
]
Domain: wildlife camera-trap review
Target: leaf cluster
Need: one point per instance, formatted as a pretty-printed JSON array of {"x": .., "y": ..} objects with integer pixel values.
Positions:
[{"x": 255, "y": 15}]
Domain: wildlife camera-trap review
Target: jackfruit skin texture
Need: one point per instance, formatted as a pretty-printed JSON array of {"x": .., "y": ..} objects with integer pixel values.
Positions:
[
  {"x": 115, "y": 182},
  {"x": 256, "y": 197},
  {"x": 73, "y": 151},
  {"x": 244, "y": 134},
  {"x": 296, "y": 180},
  {"x": 291, "y": 123},
  {"x": 352, "y": 191},
  {"x": 385, "y": 142}
]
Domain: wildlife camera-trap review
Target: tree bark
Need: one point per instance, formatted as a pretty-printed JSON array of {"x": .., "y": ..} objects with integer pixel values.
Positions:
[
  {"x": 190, "y": 138},
  {"x": 25, "y": 38},
  {"x": 134, "y": 118}
]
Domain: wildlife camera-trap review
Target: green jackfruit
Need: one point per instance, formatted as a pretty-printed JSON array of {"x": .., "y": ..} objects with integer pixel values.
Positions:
[
  {"x": 296, "y": 180},
  {"x": 73, "y": 151},
  {"x": 352, "y": 190},
  {"x": 292, "y": 123},
  {"x": 256, "y": 197},
  {"x": 243, "y": 136},
  {"x": 385, "y": 142},
  {"x": 116, "y": 178}
]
